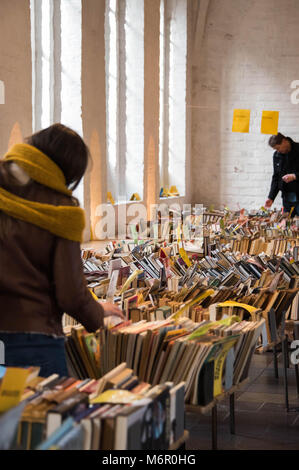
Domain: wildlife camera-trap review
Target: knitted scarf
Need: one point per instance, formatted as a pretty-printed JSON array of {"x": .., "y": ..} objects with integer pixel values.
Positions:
[{"x": 64, "y": 221}]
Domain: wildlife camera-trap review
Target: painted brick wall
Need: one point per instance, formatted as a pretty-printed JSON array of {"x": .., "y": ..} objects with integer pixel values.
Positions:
[
  {"x": 15, "y": 72},
  {"x": 248, "y": 58}
]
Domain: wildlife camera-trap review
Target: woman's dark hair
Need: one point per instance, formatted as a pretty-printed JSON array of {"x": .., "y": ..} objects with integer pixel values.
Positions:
[
  {"x": 276, "y": 139},
  {"x": 66, "y": 148}
]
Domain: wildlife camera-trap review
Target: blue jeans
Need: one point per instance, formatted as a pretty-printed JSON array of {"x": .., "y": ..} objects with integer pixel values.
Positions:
[
  {"x": 35, "y": 349},
  {"x": 289, "y": 201}
]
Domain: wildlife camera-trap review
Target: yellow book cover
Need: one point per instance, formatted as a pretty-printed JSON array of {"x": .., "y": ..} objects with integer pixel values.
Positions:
[
  {"x": 185, "y": 257},
  {"x": 93, "y": 295},
  {"x": 135, "y": 197},
  {"x": 12, "y": 387},
  {"x": 204, "y": 329},
  {"x": 231, "y": 303},
  {"x": 171, "y": 334},
  {"x": 198, "y": 299},
  {"x": 117, "y": 396},
  {"x": 110, "y": 198},
  {"x": 173, "y": 191},
  {"x": 179, "y": 233},
  {"x": 130, "y": 279}
]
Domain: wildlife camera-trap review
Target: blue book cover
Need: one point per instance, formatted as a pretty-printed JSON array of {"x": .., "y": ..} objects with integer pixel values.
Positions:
[
  {"x": 66, "y": 426},
  {"x": 72, "y": 440},
  {"x": 9, "y": 424},
  {"x": 2, "y": 372}
]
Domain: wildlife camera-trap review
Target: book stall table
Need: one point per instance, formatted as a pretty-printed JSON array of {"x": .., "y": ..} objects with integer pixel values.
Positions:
[
  {"x": 212, "y": 406},
  {"x": 284, "y": 343},
  {"x": 285, "y": 352},
  {"x": 271, "y": 347},
  {"x": 292, "y": 333},
  {"x": 285, "y": 356}
]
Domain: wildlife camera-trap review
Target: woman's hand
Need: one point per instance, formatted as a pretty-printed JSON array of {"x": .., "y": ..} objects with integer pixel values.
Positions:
[{"x": 112, "y": 309}]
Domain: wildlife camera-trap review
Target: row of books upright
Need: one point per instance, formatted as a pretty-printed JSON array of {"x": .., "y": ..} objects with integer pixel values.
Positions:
[
  {"x": 115, "y": 412},
  {"x": 271, "y": 247},
  {"x": 180, "y": 350}
]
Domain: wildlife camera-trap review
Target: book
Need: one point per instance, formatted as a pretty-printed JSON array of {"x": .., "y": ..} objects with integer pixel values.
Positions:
[
  {"x": 12, "y": 386},
  {"x": 60, "y": 412},
  {"x": 62, "y": 430},
  {"x": 108, "y": 428},
  {"x": 159, "y": 409},
  {"x": 130, "y": 429},
  {"x": 177, "y": 412},
  {"x": 119, "y": 379},
  {"x": 9, "y": 421}
]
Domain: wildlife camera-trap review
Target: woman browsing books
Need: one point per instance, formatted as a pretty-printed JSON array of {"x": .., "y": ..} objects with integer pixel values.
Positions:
[{"x": 41, "y": 227}]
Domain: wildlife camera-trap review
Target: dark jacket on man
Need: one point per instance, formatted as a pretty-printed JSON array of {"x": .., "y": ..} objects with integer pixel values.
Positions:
[
  {"x": 284, "y": 164},
  {"x": 41, "y": 275}
]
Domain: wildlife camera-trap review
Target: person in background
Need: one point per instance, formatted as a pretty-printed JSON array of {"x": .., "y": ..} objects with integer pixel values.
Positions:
[
  {"x": 41, "y": 271},
  {"x": 285, "y": 173}
]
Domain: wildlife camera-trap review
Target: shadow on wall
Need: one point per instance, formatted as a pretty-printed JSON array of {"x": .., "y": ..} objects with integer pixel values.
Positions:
[
  {"x": 205, "y": 118},
  {"x": 206, "y": 128}
]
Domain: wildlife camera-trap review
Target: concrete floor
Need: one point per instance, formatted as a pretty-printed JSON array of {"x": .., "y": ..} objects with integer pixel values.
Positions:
[{"x": 262, "y": 422}]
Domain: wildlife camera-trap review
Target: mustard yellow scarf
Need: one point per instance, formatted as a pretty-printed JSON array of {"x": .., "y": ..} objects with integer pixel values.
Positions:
[{"x": 64, "y": 221}]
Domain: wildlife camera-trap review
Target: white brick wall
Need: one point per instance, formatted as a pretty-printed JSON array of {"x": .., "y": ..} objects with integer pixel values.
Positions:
[{"x": 248, "y": 59}]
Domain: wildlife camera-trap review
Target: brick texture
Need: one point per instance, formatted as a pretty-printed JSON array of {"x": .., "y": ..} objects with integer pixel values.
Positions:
[{"x": 248, "y": 59}]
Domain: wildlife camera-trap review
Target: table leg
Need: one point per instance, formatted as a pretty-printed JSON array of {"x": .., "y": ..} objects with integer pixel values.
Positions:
[
  {"x": 275, "y": 362},
  {"x": 285, "y": 371},
  {"x": 232, "y": 413},
  {"x": 297, "y": 378}
]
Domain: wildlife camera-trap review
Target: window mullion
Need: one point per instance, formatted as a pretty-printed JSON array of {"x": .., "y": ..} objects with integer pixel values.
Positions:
[
  {"x": 56, "y": 59},
  {"x": 166, "y": 96},
  {"x": 121, "y": 100}
]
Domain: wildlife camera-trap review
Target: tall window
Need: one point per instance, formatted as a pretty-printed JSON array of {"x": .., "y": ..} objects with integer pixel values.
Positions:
[
  {"x": 56, "y": 65},
  {"x": 124, "y": 39},
  {"x": 112, "y": 79},
  {"x": 173, "y": 69}
]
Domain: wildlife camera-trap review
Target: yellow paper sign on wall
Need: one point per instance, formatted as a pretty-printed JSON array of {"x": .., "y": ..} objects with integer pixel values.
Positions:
[
  {"x": 270, "y": 122},
  {"x": 241, "y": 120}
]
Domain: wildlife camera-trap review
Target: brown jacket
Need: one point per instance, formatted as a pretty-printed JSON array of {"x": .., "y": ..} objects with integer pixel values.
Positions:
[{"x": 41, "y": 275}]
